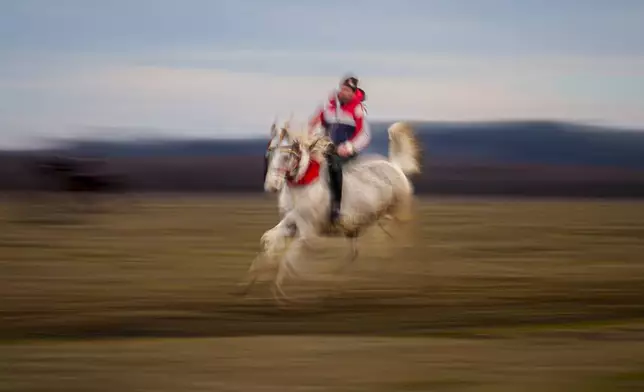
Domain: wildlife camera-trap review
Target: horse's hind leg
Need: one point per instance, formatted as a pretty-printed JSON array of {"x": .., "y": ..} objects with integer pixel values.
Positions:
[
  {"x": 403, "y": 210},
  {"x": 351, "y": 256},
  {"x": 353, "y": 244},
  {"x": 384, "y": 229}
]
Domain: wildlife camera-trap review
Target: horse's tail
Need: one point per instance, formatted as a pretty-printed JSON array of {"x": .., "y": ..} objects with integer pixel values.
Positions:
[{"x": 404, "y": 148}]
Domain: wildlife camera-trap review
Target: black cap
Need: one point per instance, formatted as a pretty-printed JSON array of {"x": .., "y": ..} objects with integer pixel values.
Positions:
[{"x": 351, "y": 82}]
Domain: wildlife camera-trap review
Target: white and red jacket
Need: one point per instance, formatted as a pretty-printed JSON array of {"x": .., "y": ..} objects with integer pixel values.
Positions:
[{"x": 344, "y": 123}]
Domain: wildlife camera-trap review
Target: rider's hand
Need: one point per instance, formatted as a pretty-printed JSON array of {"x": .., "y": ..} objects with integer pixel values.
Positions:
[{"x": 344, "y": 150}]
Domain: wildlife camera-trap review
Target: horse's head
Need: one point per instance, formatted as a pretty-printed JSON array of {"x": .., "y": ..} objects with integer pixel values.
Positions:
[
  {"x": 287, "y": 159},
  {"x": 288, "y": 155},
  {"x": 283, "y": 155}
]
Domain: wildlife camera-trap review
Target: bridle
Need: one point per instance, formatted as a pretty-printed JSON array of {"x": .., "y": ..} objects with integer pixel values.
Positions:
[{"x": 291, "y": 151}]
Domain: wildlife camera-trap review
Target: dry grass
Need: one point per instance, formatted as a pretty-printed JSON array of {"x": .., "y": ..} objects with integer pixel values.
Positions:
[{"x": 483, "y": 295}]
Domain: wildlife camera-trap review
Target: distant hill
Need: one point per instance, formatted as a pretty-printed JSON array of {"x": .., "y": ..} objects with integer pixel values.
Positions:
[
  {"x": 536, "y": 142},
  {"x": 530, "y": 158},
  {"x": 528, "y": 142}
]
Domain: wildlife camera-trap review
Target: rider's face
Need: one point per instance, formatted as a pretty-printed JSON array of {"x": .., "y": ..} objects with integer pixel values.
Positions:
[{"x": 345, "y": 94}]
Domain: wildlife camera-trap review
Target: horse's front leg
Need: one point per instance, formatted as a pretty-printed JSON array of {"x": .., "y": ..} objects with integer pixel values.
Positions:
[
  {"x": 257, "y": 267},
  {"x": 287, "y": 266},
  {"x": 304, "y": 233},
  {"x": 272, "y": 242}
]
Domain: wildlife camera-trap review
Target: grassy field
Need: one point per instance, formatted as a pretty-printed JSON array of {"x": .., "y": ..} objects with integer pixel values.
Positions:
[{"x": 495, "y": 295}]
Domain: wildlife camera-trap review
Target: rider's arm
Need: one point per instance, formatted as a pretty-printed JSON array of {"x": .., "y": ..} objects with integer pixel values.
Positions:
[
  {"x": 316, "y": 119},
  {"x": 362, "y": 136}
]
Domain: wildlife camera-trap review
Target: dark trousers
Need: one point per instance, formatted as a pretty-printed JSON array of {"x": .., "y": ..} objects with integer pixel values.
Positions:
[{"x": 335, "y": 163}]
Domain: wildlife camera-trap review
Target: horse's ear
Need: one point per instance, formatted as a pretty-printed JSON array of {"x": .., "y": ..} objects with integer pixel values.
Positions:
[
  {"x": 305, "y": 140},
  {"x": 287, "y": 127},
  {"x": 285, "y": 133}
]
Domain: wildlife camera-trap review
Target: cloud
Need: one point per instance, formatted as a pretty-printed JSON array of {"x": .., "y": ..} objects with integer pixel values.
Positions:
[
  {"x": 199, "y": 92},
  {"x": 395, "y": 62},
  {"x": 226, "y": 67},
  {"x": 440, "y": 26}
]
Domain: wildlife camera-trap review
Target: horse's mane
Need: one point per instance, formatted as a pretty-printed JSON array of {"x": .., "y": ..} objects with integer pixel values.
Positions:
[{"x": 314, "y": 144}]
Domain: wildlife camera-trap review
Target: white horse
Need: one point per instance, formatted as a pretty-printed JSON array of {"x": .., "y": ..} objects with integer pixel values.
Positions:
[
  {"x": 280, "y": 137},
  {"x": 374, "y": 186}
]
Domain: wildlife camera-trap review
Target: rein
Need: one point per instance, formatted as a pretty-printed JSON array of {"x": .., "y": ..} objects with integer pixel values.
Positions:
[
  {"x": 291, "y": 151},
  {"x": 295, "y": 152}
]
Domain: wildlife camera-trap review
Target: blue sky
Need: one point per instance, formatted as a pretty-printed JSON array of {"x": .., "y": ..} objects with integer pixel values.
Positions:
[{"x": 222, "y": 68}]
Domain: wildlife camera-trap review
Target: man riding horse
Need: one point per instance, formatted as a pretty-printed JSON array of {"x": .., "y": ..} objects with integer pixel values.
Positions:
[{"x": 343, "y": 119}]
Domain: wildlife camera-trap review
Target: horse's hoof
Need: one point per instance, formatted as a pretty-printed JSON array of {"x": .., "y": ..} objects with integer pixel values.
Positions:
[
  {"x": 243, "y": 289},
  {"x": 240, "y": 291},
  {"x": 353, "y": 233}
]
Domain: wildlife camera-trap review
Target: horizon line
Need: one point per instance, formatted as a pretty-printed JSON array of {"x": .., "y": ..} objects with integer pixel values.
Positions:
[{"x": 164, "y": 136}]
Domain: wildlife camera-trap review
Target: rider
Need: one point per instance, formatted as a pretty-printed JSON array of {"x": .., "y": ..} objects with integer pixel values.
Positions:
[{"x": 343, "y": 119}]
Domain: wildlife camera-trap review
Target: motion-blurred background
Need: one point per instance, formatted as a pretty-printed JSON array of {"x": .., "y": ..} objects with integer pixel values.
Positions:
[{"x": 132, "y": 136}]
